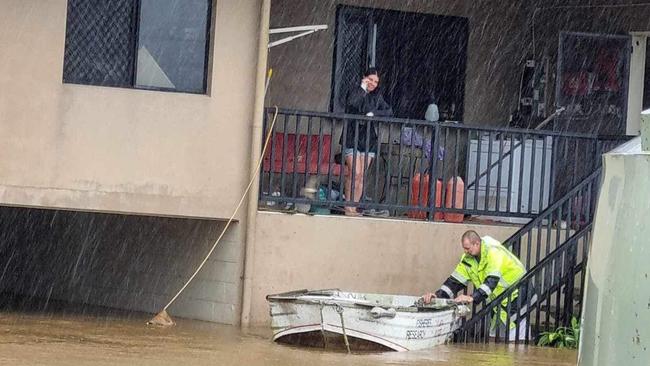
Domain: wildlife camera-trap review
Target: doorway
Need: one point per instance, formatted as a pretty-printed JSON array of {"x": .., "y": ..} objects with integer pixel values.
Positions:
[{"x": 420, "y": 57}]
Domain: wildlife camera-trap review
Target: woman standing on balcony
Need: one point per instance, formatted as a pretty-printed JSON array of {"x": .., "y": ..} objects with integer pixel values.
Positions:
[{"x": 359, "y": 137}]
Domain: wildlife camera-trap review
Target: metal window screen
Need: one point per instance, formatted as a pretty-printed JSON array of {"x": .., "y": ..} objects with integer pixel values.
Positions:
[
  {"x": 99, "y": 48},
  {"x": 354, "y": 55},
  {"x": 176, "y": 60},
  {"x": 351, "y": 49}
]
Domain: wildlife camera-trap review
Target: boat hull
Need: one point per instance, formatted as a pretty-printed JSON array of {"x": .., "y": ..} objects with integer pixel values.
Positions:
[{"x": 390, "y": 321}]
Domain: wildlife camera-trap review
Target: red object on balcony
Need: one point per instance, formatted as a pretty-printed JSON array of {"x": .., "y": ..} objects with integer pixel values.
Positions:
[
  {"x": 424, "y": 197},
  {"x": 297, "y": 162},
  {"x": 458, "y": 202}
]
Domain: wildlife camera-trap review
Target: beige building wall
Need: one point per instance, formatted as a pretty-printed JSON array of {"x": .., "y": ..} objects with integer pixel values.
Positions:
[
  {"x": 123, "y": 150},
  {"x": 87, "y": 149},
  {"x": 496, "y": 52},
  {"x": 357, "y": 254}
]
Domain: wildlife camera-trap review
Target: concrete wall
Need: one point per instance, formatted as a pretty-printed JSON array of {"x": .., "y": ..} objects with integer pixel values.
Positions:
[
  {"x": 496, "y": 51},
  {"x": 123, "y": 150},
  {"x": 358, "y": 254},
  {"x": 617, "y": 286},
  {"x": 127, "y": 262}
]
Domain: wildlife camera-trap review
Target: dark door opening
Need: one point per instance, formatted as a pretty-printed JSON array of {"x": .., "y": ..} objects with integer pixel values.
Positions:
[{"x": 419, "y": 56}]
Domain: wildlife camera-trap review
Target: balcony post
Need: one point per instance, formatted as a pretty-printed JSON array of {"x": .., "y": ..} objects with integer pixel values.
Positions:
[{"x": 433, "y": 176}]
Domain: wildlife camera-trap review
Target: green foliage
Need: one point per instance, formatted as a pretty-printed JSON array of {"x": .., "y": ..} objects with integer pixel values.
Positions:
[{"x": 562, "y": 337}]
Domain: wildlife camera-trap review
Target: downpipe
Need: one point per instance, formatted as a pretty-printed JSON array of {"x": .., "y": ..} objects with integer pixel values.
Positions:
[{"x": 256, "y": 146}]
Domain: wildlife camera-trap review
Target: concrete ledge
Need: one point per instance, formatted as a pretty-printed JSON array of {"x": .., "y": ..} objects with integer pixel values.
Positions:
[{"x": 164, "y": 204}]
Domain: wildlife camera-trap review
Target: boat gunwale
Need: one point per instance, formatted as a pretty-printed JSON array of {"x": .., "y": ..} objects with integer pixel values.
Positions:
[{"x": 322, "y": 297}]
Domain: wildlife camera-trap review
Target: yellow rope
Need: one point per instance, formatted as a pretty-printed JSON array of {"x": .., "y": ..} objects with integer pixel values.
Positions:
[{"x": 241, "y": 201}]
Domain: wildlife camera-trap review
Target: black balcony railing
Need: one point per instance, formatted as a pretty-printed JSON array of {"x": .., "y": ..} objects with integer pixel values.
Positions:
[{"x": 406, "y": 168}]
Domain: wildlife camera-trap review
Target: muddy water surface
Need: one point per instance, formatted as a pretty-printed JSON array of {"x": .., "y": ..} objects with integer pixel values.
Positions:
[{"x": 61, "y": 338}]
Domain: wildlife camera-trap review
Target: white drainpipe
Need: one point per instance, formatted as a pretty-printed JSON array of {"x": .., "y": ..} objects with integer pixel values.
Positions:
[{"x": 256, "y": 147}]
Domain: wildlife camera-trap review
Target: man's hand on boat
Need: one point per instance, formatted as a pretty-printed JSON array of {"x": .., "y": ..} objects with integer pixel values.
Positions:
[
  {"x": 464, "y": 299},
  {"x": 461, "y": 299},
  {"x": 428, "y": 297}
]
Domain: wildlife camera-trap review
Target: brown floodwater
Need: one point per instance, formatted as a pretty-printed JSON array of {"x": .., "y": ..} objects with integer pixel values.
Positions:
[{"x": 62, "y": 337}]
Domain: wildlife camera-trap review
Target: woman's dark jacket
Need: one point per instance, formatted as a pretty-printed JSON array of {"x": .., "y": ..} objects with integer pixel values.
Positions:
[{"x": 359, "y": 102}]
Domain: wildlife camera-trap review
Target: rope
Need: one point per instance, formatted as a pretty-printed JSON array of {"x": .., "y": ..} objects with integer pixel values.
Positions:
[
  {"x": 339, "y": 309},
  {"x": 241, "y": 201},
  {"x": 322, "y": 325}
]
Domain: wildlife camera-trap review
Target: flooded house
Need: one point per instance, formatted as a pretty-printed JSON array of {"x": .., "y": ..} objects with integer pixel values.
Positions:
[{"x": 132, "y": 129}]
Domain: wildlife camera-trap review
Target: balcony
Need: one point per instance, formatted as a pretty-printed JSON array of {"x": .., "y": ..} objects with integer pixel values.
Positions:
[{"x": 419, "y": 170}]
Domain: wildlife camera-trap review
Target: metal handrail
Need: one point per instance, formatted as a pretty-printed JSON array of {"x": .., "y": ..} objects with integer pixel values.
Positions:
[
  {"x": 487, "y": 310},
  {"x": 548, "y": 212},
  {"x": 463, "y": 125},
  {"x": 530, "y": 274}
]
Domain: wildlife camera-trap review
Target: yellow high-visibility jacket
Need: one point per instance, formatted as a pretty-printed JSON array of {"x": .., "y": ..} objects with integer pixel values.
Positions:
[{"x": 495, "y": 261}]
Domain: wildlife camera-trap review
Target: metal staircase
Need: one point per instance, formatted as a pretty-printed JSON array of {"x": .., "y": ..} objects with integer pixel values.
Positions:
[{"x": 554, "y": 246}]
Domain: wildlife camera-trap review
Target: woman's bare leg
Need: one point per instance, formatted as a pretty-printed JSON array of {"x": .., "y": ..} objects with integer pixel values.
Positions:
[
  {"x": 348, "y": 184},
  {"x": 360, "y": 176}
]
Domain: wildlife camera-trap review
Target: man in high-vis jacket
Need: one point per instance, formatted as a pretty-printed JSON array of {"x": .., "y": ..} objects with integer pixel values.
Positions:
[{"x": 491, "y": 268}]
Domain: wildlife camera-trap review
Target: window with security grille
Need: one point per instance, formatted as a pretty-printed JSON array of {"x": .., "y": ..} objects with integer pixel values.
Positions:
[{"x": 144, "y": 44}]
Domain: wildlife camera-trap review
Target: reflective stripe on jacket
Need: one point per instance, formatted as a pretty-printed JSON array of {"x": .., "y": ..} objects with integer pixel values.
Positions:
[{"x": 495, "y": 261}]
